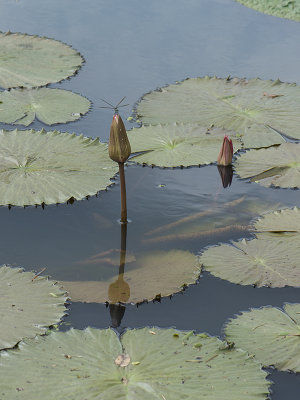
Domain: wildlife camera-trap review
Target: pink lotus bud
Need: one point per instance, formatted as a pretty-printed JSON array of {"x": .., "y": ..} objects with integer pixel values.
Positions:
[
  {"x": 226, "y": 152},
  {"x": 119, "y": 147}
]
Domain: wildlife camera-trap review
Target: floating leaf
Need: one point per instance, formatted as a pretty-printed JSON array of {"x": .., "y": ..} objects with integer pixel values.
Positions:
[
  {"x": 153, "y": 275},
  {"x": 162, "y": 367},
  {"x": 51, "y": 167},
  {"x": 255, "y": 262},
  {"x": 233, "y": 104},
  {"x": 277, "y": 166},
  {"x": 279, "y": 224},
  {"x": 31, "y": 61},
  {"x": 26, "y": 306},
  {"x": 50, "y": 106},
  {"x": 174, "y": 145},
  {"x": 271, "y": 335},
  {"x": 280, "y": 8}
]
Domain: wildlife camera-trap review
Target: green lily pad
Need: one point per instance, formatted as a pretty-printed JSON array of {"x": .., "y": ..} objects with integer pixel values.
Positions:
[
  {"x": 28, "y": 305},
  {"x": 270, "y": 334},
  {"x": 255, "y": 262},
  {"x": 31, "y": 61},
  {"x": 174, "y": 145},
  {"x": 280, "y": 8},
  {"x": 144, "y": 364},
  {"x": 51, "y": 167},
  {"x": 279, "y": 224},
  {"x": 150, "y": 276},
  {"x": 277, "y": 166},
  {"x": 255, "y": 109},
  {"x": 50, "y": 106}
]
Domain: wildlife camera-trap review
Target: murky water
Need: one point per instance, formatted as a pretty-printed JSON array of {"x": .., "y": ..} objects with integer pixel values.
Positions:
[{"x": 131, "y": 48}]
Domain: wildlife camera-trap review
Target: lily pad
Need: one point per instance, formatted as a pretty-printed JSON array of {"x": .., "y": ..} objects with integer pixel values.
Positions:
[
  {"x": 255, "y": 262},
  {"x": 50, "y": 106},
  {"x": 29, "y": 304},
  {"x": 152, "y": 275},
  {"x": 160, "y": 364},
  {"x": 174, "y": 145},
  {"x": 277, "y": 166},
  {"x": 270, "y": 334},
  {"x": 279, "y": 224},
  {"x": 280, "y": 8},
  {"x": 31, "y": 61},
  {"x": 255, "y": 109},
  {"x": 51, "y": 167}
]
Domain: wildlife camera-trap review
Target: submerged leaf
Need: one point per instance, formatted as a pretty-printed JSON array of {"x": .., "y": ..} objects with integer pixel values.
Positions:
[
  {"x": 163, "y": 367},
  {"x": 255, "y": 262},
  {"x": 285, "y": 9},
  {"x": 51, "y": 167},
  {"x": 174, "y": 145},
  {"x": 234, "y": 104},
  {"x": 27, "y": 307},
  {"x": 152, "y": 275},
  {"x": 277, "y": 166},
  {"x": 50, "y": 106},
  {"x": 271, "y": 335},
  {"x": 31, "y": 61}
]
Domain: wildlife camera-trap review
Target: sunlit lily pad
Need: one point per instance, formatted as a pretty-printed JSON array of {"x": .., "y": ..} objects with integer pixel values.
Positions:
[
  {"x": 254, "y": 109},
  {"x": 174, "y": 145},
  {"x": 280, "y": 8},
  {"x": 28, "y": 305},
  {"x": 31, "y": 61},
  {"x": 152, "y": 275},
  {"x": 143, "y": 364},
  {"x": 255, "y": 262},
  {"x": 51, "y": 167},
  {"x": 271, "y": 335},
  {"x": 279, "y": 224},
  {"x": 50, "y": 106},
  {"x": 277, "y": 166}
]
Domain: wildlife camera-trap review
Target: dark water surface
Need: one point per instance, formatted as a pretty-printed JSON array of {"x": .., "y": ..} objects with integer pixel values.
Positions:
[{"x": 131, "y": 48}]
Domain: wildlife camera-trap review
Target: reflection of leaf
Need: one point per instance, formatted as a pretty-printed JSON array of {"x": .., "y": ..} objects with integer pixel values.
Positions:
[
  {"x": 50, "y": 167},
  {"x": 255, "y": 262},
  {"x": 233, "y": 104},
  {"x": 285, "y": 9},
  {"x": 277, "y": 166},
  {"x": 219, "y": 219},
  {"x": 31, "y": 61},
  {"x": 27, "y": 306},
  {"x": 153, "y": 275},
  {"x": 270, "y": 334},
  {"x": 163, "y": 367},
  {"x": 50, "y": 106},
  {"x": 174, "y": 145}
]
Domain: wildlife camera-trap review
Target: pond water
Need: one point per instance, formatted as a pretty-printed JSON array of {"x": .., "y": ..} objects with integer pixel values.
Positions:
[{"x": 131, "y": 48}]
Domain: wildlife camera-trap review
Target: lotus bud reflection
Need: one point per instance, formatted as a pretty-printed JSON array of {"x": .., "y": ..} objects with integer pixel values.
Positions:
[
  {"x": 226, "y": 152},
  {"x": 119, "y": 147}
]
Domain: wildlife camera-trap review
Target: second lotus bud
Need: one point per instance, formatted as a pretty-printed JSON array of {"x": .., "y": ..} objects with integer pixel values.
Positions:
[
  {"x": 226, "y": 152},
  {"x": 119, "y": 147}
]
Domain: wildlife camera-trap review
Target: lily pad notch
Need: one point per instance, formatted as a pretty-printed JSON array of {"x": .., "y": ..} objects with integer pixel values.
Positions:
[
  {"x": 144, "y": 364},
  {"x": 40, "y": 167}
]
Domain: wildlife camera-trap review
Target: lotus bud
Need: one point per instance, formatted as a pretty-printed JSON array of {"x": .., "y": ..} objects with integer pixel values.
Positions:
[
  {"x": 226, "y": 152},
  {"x": 119, "y": 147}
]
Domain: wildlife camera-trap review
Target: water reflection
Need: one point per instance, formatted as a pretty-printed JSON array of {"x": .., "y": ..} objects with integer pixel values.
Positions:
[
  {"x": 119, "y": 291},
  {"x": 226, "y": 173}
]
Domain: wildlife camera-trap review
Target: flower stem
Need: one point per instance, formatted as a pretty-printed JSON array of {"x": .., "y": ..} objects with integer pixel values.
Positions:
[{"x": 123, "y": 193}]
